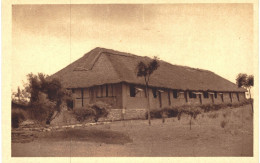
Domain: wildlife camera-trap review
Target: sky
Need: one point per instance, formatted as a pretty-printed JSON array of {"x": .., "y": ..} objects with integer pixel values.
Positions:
[{"x": 215, "y": 37}]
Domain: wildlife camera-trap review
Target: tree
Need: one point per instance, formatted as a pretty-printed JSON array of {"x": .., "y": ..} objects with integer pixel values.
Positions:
[
  {"x": 20, "y": 97},
  {"x": 145, "y": 70},
  {"x": 45, "y": 96},
  {"x": 246, "y": 81}
]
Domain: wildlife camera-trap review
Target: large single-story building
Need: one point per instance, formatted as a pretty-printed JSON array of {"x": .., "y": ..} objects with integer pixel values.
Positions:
[{"x": 110, "y": 76}]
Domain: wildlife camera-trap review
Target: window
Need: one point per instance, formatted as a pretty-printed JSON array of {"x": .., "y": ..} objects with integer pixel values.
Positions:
[
  {"x": 169, "y": 98},
  {"x": 215, "y": 94},
  {"x": 230, "y": 96},
  {"x": 86, "y": 93},
  {"x": 132, "y": 91},
  {"x": 78, "y": 93},
  {"x": 154, "y": 92},
  {"x": 175, "y": 94},
  {"x": 237, "y": 96},
  {"x": 110, "y": 90},
  {"x": 192, "y": 95},
  {"x": 222, "y": 97},
  {"x": 205, "y": 94},
  {"x": 106, "y": 90},
  {"x": 102, "y": 91},
  {"x": 82, "y": 96},
  {"x": 98, "y": 91}
]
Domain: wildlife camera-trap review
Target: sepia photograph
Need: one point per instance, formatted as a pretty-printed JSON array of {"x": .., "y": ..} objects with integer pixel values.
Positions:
[{"x": 133, "y": 80}]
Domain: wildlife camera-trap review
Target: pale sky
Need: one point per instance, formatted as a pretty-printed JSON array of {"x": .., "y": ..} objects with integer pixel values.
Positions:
[{"x": 216, "y": 37}]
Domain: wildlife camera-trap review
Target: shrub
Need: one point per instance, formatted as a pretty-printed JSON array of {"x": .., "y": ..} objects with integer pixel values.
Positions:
[
  {"x": 101, "y": 110},
  {"x": 229, "y": 105},
  {"x": 165, "y": 112},
  {"x": 154, "y": 114},
  {"x": 225, "y": 114},
  {"x": 223, "y": 124},
  {"x": 18, "y": 116},
  {"x": 96, "y": 110},
  {"x": 42, "y": 109},
  {"x": 83, "y": 113},
  {"x": 172, "y": 112},
  {"x": 213, "y": 115},
  {"x": 192, "y": 111},
  {"x": 206, "y": 107}
]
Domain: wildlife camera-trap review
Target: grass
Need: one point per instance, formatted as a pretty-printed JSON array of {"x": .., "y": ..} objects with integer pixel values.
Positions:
[{"x": 135, "y": 138}]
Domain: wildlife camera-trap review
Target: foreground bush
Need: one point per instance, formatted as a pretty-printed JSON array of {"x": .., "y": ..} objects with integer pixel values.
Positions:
[
  {"x": 18, "y": 116},
  {"x": 101, "y": 109},
  {"x": 96, "y": 110},
  {"x": 83, "y": 113}
]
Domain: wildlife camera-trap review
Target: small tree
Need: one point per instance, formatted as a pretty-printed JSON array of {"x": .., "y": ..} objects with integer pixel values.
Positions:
[
  {"x": 246, "y": 81},
  {"x": 145, "y": 70},
  {"x": 191, "y": 111}
]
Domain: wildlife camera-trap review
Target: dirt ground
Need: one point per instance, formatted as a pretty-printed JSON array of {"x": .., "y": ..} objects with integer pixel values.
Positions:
[{"x": 226, "y": 132}]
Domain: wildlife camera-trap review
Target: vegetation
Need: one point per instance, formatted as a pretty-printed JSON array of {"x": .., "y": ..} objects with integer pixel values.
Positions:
[
  {"x": 42, "y": 96},
  {"x": 246, "y": 81},
  {"x": 18, "y": 116},
  {"x": 193, "y": 111},
  {"x": 145, "y": 70},
  {"x": 96, "y": 110},
  {"x": 223, "y": 124}
]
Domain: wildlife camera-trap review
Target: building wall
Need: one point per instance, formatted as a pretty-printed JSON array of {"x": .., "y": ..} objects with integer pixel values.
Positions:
[
  {"x": 167, "y": 98},
  {"x": 126, "y": 107},
  {"x": 98, "y": 93},
  {"x": 137, "y": 102}
]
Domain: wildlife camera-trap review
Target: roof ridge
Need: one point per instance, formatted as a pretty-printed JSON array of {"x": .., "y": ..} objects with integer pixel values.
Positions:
[{"x": 125, "y": 54}]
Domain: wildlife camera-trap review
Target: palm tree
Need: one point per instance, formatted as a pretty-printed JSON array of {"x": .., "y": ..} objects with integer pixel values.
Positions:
[
  {"x": 145, "y": 70},
  {"x": 246, "y": 81}
]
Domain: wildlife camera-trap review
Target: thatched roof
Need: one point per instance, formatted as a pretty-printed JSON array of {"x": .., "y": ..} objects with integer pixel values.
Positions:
[{"x": 102, "y": 66}]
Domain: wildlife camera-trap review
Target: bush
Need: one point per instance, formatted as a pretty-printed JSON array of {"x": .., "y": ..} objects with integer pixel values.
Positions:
[
  {"x": 18, "y": 116},
  {"x": 172, "y": 112},
  {"x": 101, "y": 110},
  {"x": 206, "y": 107},
  {"x": 192, "y": 110},
  {"x": 213, "y": 115},
  {"x": 229, "y": 105},
  {"x": 165, "y": 112},
  {"x": 96, "y": 110},
  {"x": 83, "y": 113},
  {"x": 154, "y": 114},
  {"x": 223, "y": 124},
  {"x": 42, "y": 109}
]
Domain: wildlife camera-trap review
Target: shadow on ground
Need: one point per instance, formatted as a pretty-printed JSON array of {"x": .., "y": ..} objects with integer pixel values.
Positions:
[{"x": 90, "y": 135}]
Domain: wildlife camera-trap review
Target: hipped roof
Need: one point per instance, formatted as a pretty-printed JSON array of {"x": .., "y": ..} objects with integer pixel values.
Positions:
[{"x": 103, "y": 66}]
